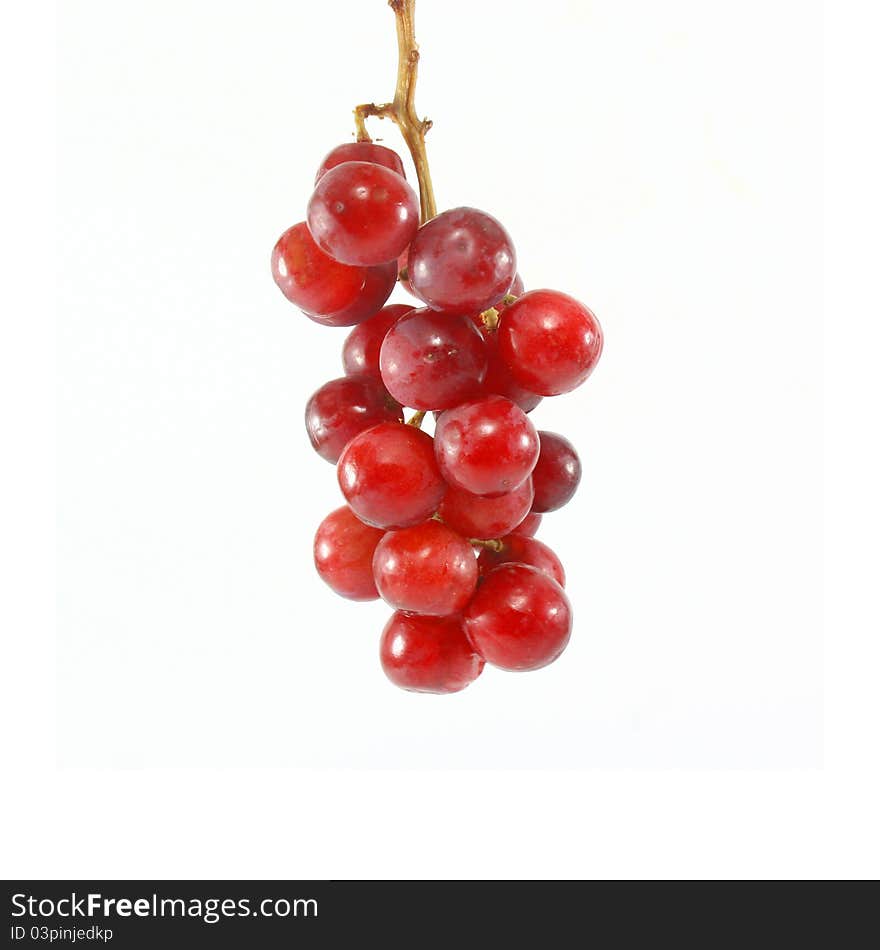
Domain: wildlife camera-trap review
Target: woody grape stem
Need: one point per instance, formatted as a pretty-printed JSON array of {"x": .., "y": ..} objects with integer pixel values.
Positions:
[{"x": 402, "y": 109}]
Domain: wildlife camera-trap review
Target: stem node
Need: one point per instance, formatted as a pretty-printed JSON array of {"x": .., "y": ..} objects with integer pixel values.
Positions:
[
  {"x": 402, "y": 110},
  {"x": 493, "y": 544}
]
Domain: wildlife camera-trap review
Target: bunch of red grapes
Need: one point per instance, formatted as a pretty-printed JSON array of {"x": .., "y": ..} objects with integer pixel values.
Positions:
[{"x": 441, "y": 528}]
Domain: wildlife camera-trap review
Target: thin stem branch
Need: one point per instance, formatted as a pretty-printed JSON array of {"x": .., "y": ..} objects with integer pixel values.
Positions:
[
  {"x": 490, "y": 318},
  {"x": 402, "y": 109},
  {"x": 493, "y": 544},
  {"x": 361, "y": 126}
]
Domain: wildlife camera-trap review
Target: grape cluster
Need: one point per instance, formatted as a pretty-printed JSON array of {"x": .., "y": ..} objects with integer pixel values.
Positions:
[{"x": 441, "y": 528}]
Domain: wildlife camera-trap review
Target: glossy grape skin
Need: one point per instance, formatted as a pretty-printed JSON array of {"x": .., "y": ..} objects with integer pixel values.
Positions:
[
  {"x": 476, "y": 516},
  {"x": 361, "y": 213},
  {"x": 428, "y": 654},
  {"x": 557, "y": 474},
  {"x": 326, "y": 291},
  {"x": 344, "y": 407},
  {"x": 343, "y": 551},
  {"x": 389, "y": 476},
  {"x": 522, "y": 550},
  {"x": 361, "y": 152},
  {"x": 549, "y": 341},
  {"x": 487, "y": 446},
  {"x": 426, "y": 569},
  {"x": 519, "y": 618},
  {"x": 360, "y": 352},
  {"x": 528, "y": 527},
  {"x": 431, "y": 360},
  {"x": 499, "y": 381},
  {"x": 461, "y": 262},
  {"x": 310, "y": 278},
  {"x": 379, "y": 282}
]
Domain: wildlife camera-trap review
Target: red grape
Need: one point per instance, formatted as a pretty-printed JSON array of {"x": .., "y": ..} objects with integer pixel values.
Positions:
[
  {"x": 557, "y": 473},
  {"x": 361, "y": 152},
  {"x": 498, "y": 379},
  {"x": 342, "y": 408},
  {"x": 344, "y": 548},
  {"x": 426, "y": 569},
  {"x": 310, "y": 278},
  {"x": 486, "y": 446},
  {"x": 431, "y": 360},
  {"x": 549, "y": 341},
  {"x": 521, "y": 550},
  {"x": 528, "y": 527},
  {"x": 328, "y": 292},
  {"x": 362, "y": 213},
  {"x": 476, "y": 516},
  {"x": 428, "y": 654},
  {"x": 389, "y": 476},
  {"x": 461, "y": 261},
  {"x": 379, "y": 281},
  {"x": 360, "y": 352},
  {"x": 519, "y": 618}
]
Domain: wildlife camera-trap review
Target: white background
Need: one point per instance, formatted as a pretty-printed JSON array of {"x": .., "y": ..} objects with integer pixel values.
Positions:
[
  {"x": 668, "y": 186},
  {"x": 678, "y": 193}
]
